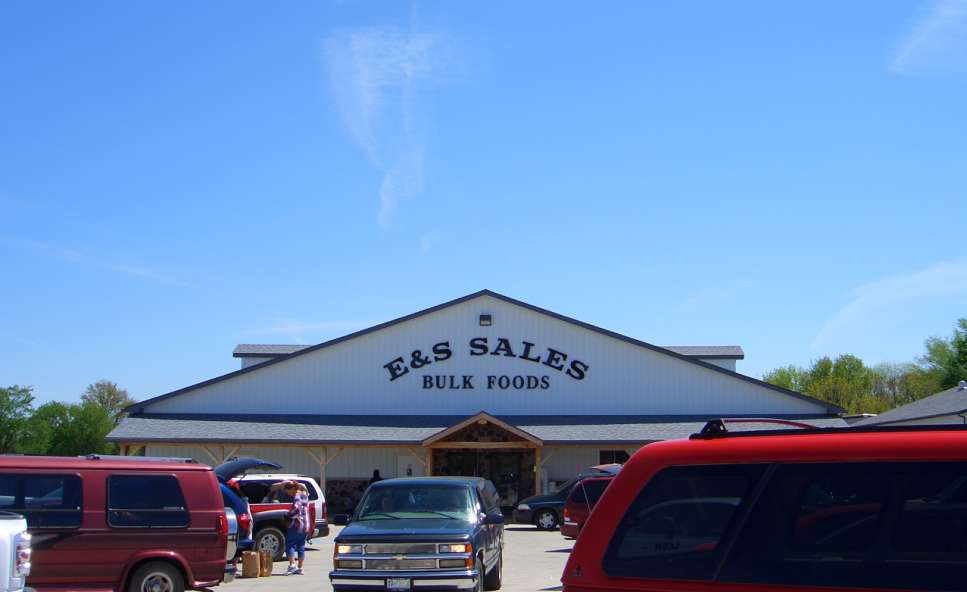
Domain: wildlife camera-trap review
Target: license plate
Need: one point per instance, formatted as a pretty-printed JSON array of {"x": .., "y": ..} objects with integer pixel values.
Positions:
[{"x": 398, "y": 584}]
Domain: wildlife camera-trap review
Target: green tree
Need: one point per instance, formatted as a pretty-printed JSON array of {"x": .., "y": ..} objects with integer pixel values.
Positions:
[
  {"x": 900, "y": 384},
  {"x": 788, "y": 377},
  {"x": 16, "y": 406},
  {"x": 76, "y": 429},
  {"x": 948, "y": 357},
  {"x": 845, "y": 381},
  {"x": 108, "y": 395}
]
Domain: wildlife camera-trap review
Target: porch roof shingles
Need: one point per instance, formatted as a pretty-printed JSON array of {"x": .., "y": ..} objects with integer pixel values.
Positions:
[{"x": 402, "y": 429}]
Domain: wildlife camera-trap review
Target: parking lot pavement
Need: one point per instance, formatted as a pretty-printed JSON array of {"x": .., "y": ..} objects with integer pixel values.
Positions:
[{"x": 533, "y": 561}]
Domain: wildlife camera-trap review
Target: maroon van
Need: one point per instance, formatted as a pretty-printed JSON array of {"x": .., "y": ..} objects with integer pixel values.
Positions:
[{"x": 119, "y": 523}]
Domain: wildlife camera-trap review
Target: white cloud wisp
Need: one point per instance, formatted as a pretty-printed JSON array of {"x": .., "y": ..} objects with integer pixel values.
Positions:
[
  {"x": 374, "y": 76},
  {"x": 937, "y": 42},
  {"x": 875, "y": 299}
]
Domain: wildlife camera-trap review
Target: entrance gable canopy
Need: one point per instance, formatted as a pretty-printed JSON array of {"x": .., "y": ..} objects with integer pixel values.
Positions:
[{"x": 483, "y": 418}]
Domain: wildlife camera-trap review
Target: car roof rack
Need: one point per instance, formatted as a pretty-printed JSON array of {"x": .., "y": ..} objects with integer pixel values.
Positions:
[
  {"x": 716, "y": 428},
  {"x": 172, "y": 459}
]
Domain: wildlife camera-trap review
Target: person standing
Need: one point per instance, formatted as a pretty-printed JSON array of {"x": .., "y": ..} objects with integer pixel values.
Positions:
[
  {"x": 376, "y": 477},
  {"x": 299, "y": 525}
]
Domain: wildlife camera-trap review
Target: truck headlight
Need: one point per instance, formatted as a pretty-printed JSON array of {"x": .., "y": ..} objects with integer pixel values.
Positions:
[
  {"x": 349, "y": 549},
  {"x": 523, "y": 507},
  {"x": 456, "y": 548}
]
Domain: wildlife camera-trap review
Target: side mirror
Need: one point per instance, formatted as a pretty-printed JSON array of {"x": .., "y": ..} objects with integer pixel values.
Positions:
[
  {"x": 341, "y": 519},
  {"x": 494, "y": 518}
]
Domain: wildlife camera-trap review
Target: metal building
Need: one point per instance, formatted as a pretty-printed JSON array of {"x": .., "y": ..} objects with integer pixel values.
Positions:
[{"x": 482, "y": 385}]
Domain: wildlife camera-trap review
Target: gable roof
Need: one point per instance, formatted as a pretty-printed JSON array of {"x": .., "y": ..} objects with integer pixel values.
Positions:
[
  {"x": 138, "y": 407},
  {"x": 707, "y": 352},
  {"x": 949, "y": 402},
  {"x": 484, "y": 417}
]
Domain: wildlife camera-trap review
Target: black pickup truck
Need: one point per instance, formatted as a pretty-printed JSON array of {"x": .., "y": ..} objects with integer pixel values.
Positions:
[{"x": 428, "y": 533}]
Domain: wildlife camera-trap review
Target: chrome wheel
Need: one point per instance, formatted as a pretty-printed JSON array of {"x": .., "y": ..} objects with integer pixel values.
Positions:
[
  {"x": 157, "y": 581},
  {"x": 547, "y": 520},
  {"x": 271, "y": 540}
]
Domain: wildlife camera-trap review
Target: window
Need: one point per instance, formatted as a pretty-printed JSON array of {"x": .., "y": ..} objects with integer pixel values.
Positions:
[
  {"x": 607, "y": 457},
  {"x": 673, "y": 528},
  {"x": 865, "y": 525},
  {"x": 260, "y": 492},
  {"x": 489, "y": 497},
  {"x": 594, "y": 489},
  {"x": 46, "y": 501},
  {"x": 146, "y": 501},
  {"x": 397, "y": 501}
]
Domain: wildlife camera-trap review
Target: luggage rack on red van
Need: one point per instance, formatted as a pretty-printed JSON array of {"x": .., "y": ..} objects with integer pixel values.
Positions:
[
  {"x": 170, "y": 459},
  {"x": 716, "y": 428}
]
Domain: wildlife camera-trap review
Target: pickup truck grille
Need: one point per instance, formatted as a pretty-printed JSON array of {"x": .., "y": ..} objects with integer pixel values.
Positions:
[
  {"x": 401, "y": 564},
  {"x": 401, "y": 549},
  {"x": 404, "y": 557}
]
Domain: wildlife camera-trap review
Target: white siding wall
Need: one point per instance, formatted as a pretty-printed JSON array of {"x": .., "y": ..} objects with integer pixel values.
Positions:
[
  {"x": 349, "y": 377},
  {"x": 727, "y": 364},
  {"x": 352, "y": 463},
  {"x": 246, "y": 362}
]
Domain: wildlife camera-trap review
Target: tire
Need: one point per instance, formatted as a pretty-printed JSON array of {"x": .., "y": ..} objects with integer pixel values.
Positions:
[
  {"x": 494, "y": 579},
  {"x": 479, "y": 565},
  {"x": 156, "y": 576},
  {"x": 271, "y": 539},
  {"x": 546, "y": 520}
]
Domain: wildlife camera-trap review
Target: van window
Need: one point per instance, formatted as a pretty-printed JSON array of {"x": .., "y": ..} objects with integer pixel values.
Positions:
[
  {"x": 673, "y": 528},
  {"x": 146, "y": 501},
  {"x": 865, "y": 525},
  {"x": 46, "y": 501},
  {"x": 593, "y": 490}
]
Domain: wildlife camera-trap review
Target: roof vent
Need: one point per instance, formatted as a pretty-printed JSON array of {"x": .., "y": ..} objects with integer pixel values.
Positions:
[{"x": 962, "y": 385}]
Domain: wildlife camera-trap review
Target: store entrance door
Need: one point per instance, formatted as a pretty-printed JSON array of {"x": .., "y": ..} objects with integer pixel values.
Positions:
[{"x": 510, "y": 470}]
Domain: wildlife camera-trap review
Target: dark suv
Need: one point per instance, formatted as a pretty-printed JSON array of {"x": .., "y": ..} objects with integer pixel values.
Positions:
[{"x": 443, "y": 533}]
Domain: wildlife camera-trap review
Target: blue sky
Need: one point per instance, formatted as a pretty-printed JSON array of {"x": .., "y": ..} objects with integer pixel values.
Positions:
[{"x": 175, "y": 180}]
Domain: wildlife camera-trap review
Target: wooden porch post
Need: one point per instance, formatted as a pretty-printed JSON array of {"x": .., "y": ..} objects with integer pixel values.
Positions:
[{"x": 538, "y": 489}]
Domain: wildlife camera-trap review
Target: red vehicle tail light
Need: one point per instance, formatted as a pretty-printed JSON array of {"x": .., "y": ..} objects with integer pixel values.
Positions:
[
  {"x": 567, "y": 513},
  {"x": 244, "y": 522},
  {"x": 221, "y": 524}
]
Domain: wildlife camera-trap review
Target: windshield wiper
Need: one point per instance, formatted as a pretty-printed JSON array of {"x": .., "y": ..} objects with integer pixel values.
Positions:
[
  {"x": 387, "y": 514},
  {"x": 445, "y": 515}
]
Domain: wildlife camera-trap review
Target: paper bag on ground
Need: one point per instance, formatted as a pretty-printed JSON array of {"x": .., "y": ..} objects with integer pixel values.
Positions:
[{"x": 250, "y": 564}]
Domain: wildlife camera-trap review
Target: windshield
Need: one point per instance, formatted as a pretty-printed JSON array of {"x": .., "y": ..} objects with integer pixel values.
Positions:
[{"x": 416, "y": 501}]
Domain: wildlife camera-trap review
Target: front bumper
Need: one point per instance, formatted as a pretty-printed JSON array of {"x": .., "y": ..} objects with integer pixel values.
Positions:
[
  {"x": 353, "y": 579},
  {"x": 523, "y": 516}
]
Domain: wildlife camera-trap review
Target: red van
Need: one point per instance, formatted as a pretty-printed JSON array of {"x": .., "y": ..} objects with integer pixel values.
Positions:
[
  {"x": 130, "y": 524},
  {"x": 582, "y": 499},
  {"x": 792, "y": 509}
]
